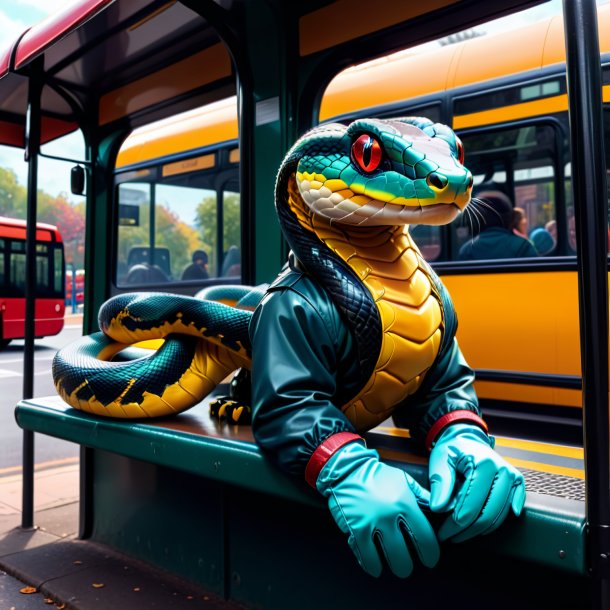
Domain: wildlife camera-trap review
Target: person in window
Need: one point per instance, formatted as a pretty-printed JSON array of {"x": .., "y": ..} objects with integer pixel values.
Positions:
[
  {"x": 198, "y": 269},
  {"x": 543, "y": 241},
  {"x": 496, "y": 239},
  {"x": 519, "y": 222}
]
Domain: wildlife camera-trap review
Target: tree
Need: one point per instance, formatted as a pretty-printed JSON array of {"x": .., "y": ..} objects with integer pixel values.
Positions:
[
  {"x": 207, "y": 218},
  {"x": 12, "y": 195}
]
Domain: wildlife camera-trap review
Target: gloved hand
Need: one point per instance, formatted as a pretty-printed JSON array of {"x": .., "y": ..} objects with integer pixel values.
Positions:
[
  {"x": 469, "y": 479},
  {"x": 376, "y": 503}
]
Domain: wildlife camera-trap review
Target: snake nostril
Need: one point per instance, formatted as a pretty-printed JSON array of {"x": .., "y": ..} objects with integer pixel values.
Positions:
[{"x": 436, "y": 180}]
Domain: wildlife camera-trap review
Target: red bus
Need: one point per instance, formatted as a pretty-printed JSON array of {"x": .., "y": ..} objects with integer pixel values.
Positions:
[{"x": 50, "y": 272}]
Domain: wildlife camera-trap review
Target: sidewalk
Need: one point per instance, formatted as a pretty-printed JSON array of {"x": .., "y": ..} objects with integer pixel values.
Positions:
[
  {"x": 56, "y": 506},
  {"x": 48, "y": 567}
]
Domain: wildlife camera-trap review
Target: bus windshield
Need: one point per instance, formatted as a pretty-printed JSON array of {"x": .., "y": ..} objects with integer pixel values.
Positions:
[{"x": 50, "y": 269}]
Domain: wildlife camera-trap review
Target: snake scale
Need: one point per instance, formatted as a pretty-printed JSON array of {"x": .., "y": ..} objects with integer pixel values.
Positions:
[{"x": 345, "y": 195}]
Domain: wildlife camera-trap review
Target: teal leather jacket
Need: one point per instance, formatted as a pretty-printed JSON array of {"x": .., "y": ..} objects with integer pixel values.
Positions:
[{"x": 304, "y": 370}]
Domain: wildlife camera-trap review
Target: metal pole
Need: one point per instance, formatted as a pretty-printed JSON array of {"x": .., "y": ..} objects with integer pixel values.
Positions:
[
  {"x": 32, "y": 145},
  {"x": 591, "y": 215},
  {"x": 73, "y": 288}
]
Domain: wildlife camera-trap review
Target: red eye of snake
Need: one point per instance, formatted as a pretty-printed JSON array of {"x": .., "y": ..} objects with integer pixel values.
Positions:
[
  {"x": 366, "y": 152},
  {"x": 460, "y": 150}
]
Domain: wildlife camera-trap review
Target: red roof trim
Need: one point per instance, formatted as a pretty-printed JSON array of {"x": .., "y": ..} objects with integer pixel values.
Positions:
[
  {"x": 54, "y": 27},
  {"x": 51, "y": 128},
  {"x": 12, "y": 134}
]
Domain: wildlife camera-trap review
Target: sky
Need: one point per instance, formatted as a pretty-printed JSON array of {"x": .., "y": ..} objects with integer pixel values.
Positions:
[
  {"x": 16, "y": 15},
  {"x": 54, "y": 177}
]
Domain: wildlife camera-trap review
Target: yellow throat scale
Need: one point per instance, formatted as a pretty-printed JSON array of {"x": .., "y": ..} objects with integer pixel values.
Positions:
[{"x": 353, "y": 191}]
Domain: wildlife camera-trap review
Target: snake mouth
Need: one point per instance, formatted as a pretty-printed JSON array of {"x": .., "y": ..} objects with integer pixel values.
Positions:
[{"x": 434, "y": 214}]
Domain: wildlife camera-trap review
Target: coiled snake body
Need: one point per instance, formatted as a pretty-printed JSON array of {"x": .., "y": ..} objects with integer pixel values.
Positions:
[{"x": 344, "y": 198}]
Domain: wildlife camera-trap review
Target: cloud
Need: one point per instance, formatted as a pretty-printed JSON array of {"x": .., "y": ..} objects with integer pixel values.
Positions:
[
  {"x": 10, "y": 28},
  {"x": 45, "y": 7}
]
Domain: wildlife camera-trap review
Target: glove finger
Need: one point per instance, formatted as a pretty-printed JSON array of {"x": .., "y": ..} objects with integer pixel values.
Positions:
[
  {"x": 361, "y": 544},
  {"x": 494, "y": 512},
  {"x": 419, "y": 531},
  {"x": 366, "y": 553},
  {"x": 442, "y": 481},
  {"x": 392, "y": 545},
  {"x": 474, "y": 492},
  {"x": 519, "y": 496},
  {"x": 422, "y": 495}
]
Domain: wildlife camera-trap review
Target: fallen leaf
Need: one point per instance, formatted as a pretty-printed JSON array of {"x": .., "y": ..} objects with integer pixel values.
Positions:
[
  {"x": 48, "y": 600},
  {"x": 136, "y": 589},
  {"x": 60, "y": 606},
  {"x": 98, "y": 585},
  {"x": 28, "y": 590},
  {"x": 78, "y": 562}
]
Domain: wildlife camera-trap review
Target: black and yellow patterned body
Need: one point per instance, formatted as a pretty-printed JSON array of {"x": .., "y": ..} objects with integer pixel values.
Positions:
[{"x": 344, "y": 197}]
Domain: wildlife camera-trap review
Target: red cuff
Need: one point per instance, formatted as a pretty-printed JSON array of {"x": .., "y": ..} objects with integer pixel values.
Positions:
[
  {"x": 324, "y": 452},
  {"x": 450, "y": 418}
]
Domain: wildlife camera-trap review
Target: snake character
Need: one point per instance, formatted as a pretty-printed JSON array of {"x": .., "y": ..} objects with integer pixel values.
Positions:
[{"x": 357, "y": 328}]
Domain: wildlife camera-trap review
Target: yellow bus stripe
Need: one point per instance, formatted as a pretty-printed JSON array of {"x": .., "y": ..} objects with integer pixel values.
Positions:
[
  {"x": 547, "y": 105},
  {"x": 570, "y": 452},
  {"x": 561, "y": 470}
]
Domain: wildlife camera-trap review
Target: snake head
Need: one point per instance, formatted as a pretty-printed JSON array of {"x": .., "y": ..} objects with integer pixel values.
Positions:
[{"x": 383, "y": 172}]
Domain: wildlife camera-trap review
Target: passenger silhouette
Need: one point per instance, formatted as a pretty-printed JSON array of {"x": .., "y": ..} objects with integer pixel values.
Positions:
[
  {"x": 198, "y": 269},
  {"x": 496, "y": 239}
]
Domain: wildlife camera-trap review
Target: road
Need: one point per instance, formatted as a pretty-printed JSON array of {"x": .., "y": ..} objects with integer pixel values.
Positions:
[{"x": 48, "y": 449}]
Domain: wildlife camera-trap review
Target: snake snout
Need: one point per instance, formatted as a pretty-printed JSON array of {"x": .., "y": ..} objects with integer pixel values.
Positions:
[{"x": 437, "y": 181}]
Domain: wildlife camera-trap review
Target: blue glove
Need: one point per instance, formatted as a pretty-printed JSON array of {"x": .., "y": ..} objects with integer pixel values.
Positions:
[
  {"x": 378, "y": 506},
  {"x": 489, "y": 486}
]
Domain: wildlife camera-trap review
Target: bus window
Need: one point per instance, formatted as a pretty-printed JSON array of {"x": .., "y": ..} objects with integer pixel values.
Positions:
[
  {"x": 520, "y": 164},
  {"x": 133, "y": 229},
  {"x": 2, "y": 266},
  {"x": 231, "y": 215},
  {"x": 179, "y": 226},
  {"x": 43, "y": 281},
  {"x": 428, "y": 239},
  {"x": 17, "y": 268},
  {"x": 570, "y": 221},
  {"x": 49, "y": 280},
  {"x": 179, "y": 211}
]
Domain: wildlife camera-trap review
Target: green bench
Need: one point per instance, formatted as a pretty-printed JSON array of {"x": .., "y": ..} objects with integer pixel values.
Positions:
[{"x": 199, "y": 499}]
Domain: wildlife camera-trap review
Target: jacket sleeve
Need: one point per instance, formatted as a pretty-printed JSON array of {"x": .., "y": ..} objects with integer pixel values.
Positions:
[{"x": 294, "y": 368}]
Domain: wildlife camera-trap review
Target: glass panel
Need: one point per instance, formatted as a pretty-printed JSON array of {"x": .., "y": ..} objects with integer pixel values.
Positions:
[
  {"x": 17, "y": 274},
  {"x": 133, "y": 235},
  {"x": 428, "y": 240},
  {"x": 173, "y": 215},
  {"x": 43, "y": 288},
  {"x": 3, "y": 265},
  {"x": 513, "y": 213},
  {"x": 607, "y": 151},
  {"x": 58, "y": 270},
  {"x": 178, "y": 231},
  {"x": 231, "y": 215}
]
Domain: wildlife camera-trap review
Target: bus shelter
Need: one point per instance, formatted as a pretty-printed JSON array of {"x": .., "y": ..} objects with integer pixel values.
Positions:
[{"x": 108, "y": 66}]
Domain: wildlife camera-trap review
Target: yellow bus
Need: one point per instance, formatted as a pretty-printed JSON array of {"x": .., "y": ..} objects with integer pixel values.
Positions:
[{"x": 518, "y": 317}]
